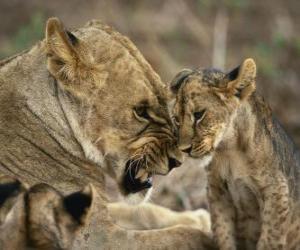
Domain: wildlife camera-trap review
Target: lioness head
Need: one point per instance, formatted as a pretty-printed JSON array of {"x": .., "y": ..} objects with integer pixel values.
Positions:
[
  {"x": 206, "y": 101},
  {"x": 115, "y": 103},
  {"x": 40, "y": 218}
]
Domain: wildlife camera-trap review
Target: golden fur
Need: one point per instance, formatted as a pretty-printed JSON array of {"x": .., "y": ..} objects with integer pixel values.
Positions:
[
  {"x": 253, "y": 167},
  {"x": 81, "y": 104},
  {"x": 148, "y": 216}
]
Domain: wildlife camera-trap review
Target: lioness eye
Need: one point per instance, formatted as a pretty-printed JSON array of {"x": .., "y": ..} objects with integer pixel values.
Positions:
[
  {"x": 199, "y": 115},
  {"x": 142, "y": 112}
]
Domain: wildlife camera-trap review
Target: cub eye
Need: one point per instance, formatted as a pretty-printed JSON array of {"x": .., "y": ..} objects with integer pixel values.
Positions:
[
  {"x": 199, "y": 116},
  {"x": 142, "y": 112}
]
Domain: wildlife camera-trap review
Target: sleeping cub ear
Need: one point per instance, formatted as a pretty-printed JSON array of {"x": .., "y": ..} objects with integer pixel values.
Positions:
[
  {"x": 78, "y": 204},
  {"x": 10, "y": 189},
  {"x": 241, "y": 80},
  {"x": 54, "y": 219}
]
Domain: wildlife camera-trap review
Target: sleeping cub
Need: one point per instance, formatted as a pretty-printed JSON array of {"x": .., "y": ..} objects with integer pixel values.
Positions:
[{"x": 40, "y": 218}]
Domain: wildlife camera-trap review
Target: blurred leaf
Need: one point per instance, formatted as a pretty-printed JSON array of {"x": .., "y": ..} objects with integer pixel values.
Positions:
[
  {"x": 26, "y": 35},
  {"x": 237, "y": 4},
  {"x": 279, "y": 40},
  {"x": 297, "y": 45},
  {"x": 265, "y": 56}
]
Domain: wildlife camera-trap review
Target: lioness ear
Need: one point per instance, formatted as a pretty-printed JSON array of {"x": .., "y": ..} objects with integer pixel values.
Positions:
[
  {"x": 60, "y": 43},
  {"x": 61, "y": 49},
  {"x": 179, "y": 79},
  {"x": 78, "y": 204},
  {"x": 241, "y": 80}
]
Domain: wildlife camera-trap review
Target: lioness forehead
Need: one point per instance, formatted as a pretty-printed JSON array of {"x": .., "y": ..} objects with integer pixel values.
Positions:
[{"x": 126, "y": 68}]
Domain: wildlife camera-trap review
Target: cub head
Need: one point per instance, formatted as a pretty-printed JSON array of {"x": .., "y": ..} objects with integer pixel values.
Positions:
[
  {"x": 206, "y": 101},
  {"x": 115, "y": 103}
]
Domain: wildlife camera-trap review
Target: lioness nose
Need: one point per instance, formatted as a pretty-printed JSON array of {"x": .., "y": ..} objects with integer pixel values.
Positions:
[
  {"x": 173, "y": 163},
  {"x": 187, "y": 149}
]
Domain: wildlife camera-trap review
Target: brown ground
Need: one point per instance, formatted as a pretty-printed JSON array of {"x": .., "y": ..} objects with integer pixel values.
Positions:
[{"x": 174, "y": 34}]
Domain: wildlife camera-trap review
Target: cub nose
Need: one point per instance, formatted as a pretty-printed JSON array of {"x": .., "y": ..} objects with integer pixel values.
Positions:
[
  {"x": 173, "y": 163},
  {"x": 187, "y": 149}
]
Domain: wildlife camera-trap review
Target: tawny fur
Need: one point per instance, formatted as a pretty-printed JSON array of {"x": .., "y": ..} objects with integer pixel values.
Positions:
[
  {"x": 254, "y": 175},
  {"x": 69, "y": 115}
]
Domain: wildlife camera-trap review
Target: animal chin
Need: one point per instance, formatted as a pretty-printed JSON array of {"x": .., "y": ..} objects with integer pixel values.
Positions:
[{"x": 136, "y": 178}]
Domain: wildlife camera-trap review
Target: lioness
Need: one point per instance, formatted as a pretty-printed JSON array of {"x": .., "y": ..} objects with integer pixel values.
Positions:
[
  {"x": 253, "y": 167},
  {"x": 83, "y": 103}
]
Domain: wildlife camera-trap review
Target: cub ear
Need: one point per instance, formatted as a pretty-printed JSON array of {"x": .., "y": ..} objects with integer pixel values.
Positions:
[
  {"x": 61, "y": 48},
  {"x": 12, "y": 214},
  {"x": 78, "y": 204},
  {"x": 241, "y": 80},
  {"x": 179, "y": 79},
  {"x": 10, "y": 190}
]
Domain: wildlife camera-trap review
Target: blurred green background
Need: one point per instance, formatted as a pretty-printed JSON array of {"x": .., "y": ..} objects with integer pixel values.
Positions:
[{"x": 175, "y": 34}]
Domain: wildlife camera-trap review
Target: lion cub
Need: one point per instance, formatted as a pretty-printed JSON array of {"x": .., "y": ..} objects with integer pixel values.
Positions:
[
  {"x": 253, "y": 167},
  {"x": 40, "y": 218}
]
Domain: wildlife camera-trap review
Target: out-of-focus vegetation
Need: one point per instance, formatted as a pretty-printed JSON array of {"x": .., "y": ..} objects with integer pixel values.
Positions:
[
  {"x": 175, "y": 34},
  {"x": 25, "y": 36}
]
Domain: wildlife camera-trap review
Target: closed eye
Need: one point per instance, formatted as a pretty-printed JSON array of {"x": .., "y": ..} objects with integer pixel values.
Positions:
[
  {"x": 199, "y": 116},
  {"x": 141, "y": 113}
]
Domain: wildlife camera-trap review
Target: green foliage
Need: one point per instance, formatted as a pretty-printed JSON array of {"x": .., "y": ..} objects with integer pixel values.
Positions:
[
  {"x": 237, "y": 4},
  {"x": 203, "y": 5},
  {"x": 279, "y": 40},
  {"x": 264, "y": 52},
  {"x": 25, "y": 36},
  {"x": 296, "y": 44}
]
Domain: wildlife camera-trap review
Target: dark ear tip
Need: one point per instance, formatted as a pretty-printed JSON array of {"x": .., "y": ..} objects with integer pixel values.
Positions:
[
  {"x": 9, "y": 187},
  {"x": 233, "y": 74},
  {"x": 73, "y": 39},
  {"x": 78, "y": 203}
]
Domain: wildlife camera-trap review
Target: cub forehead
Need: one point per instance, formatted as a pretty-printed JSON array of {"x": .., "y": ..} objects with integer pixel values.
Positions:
[
  {"x": 201, "y": 82},
  {"x": 212, "y": 77},
  {"x": 193, "y": 88},
  {"x": 204, "y": 78}
]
